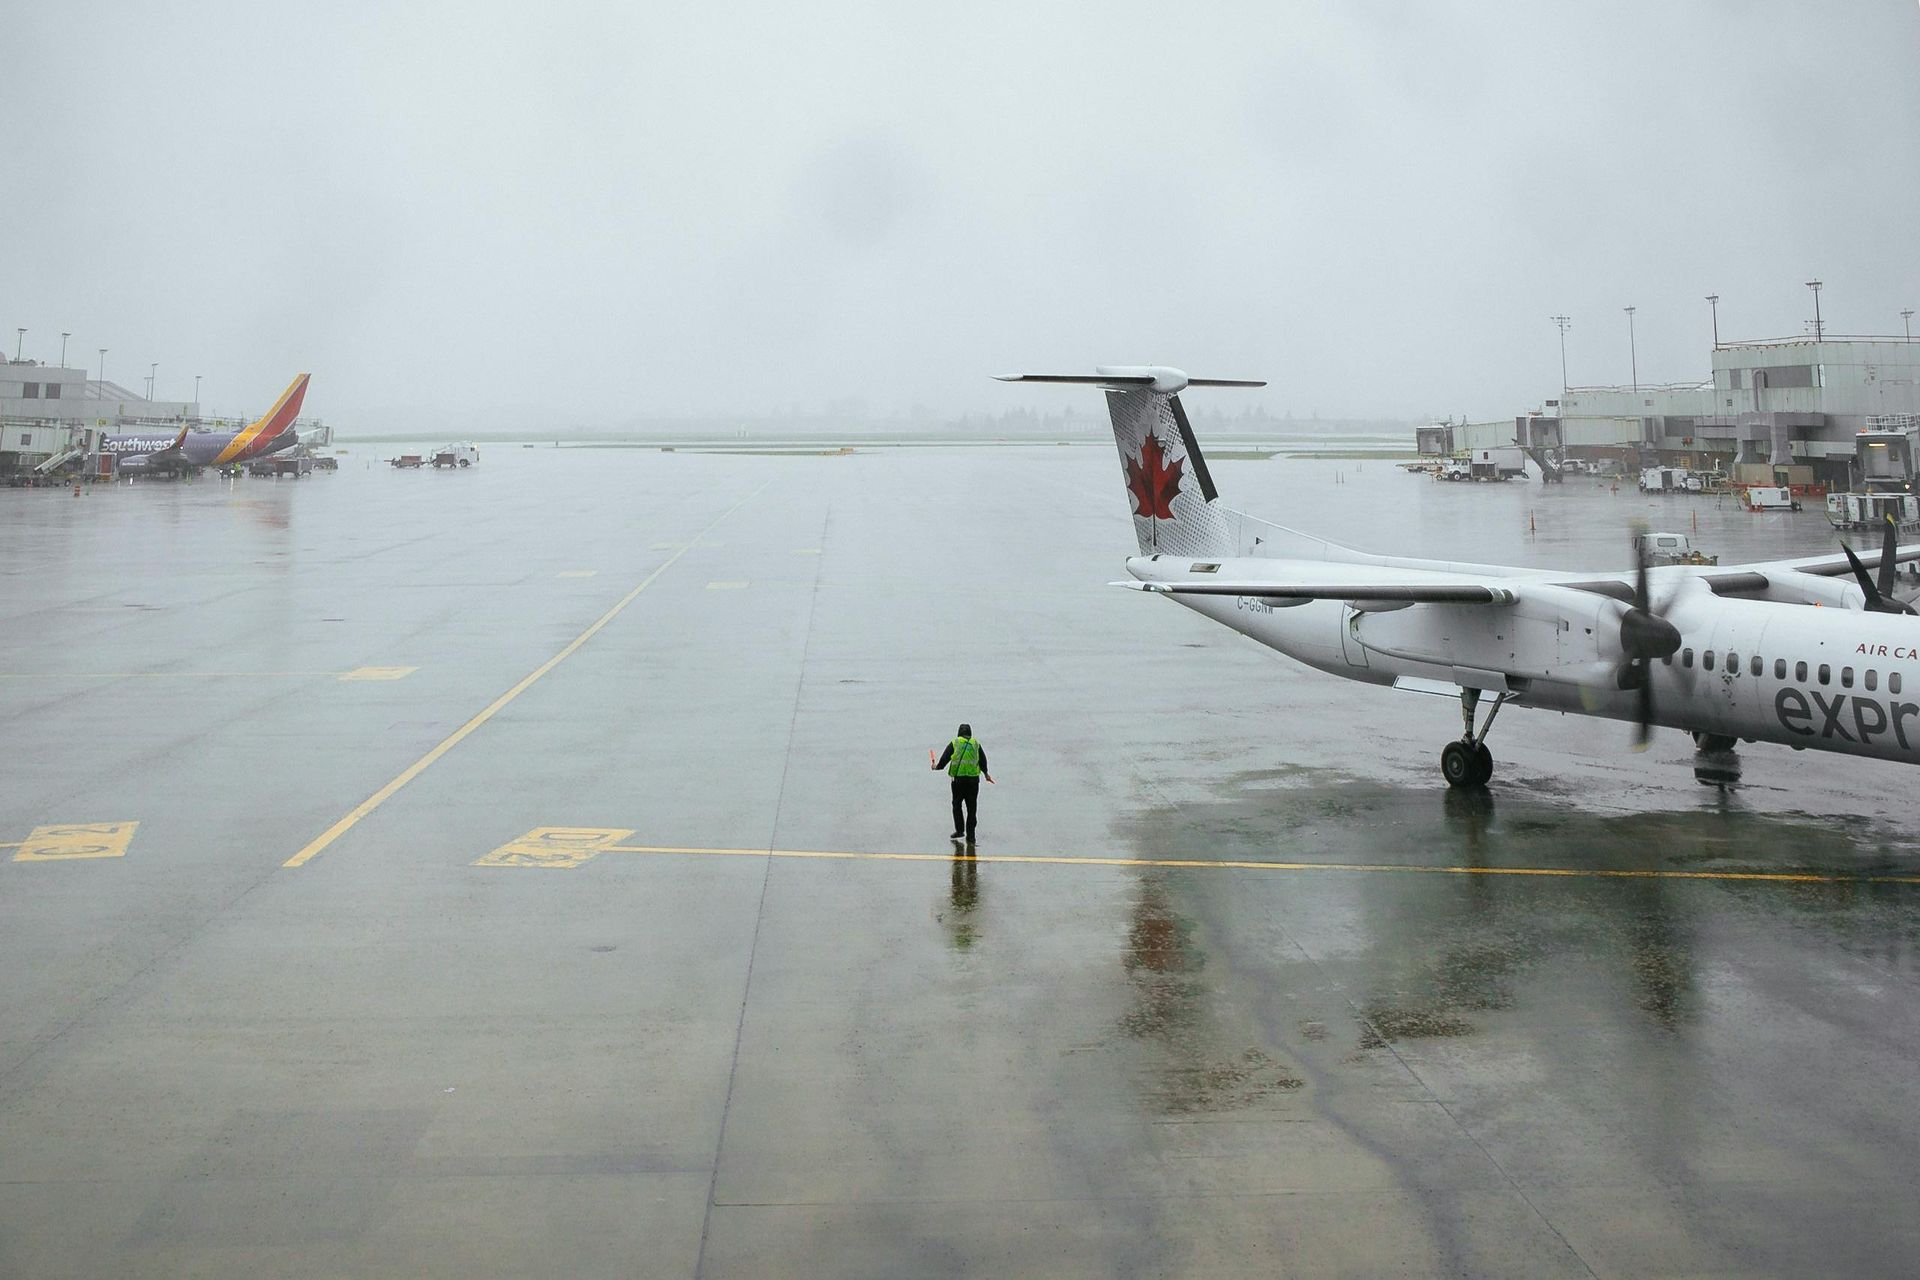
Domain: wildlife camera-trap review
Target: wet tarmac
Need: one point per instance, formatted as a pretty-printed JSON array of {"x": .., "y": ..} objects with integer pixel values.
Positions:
[{"x": 587, "y": 964}]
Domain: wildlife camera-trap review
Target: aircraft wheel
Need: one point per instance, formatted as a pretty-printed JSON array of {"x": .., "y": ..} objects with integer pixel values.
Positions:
[
  {"x": 1482, "y": 765},
  {"x": 1458, "y": 766}
]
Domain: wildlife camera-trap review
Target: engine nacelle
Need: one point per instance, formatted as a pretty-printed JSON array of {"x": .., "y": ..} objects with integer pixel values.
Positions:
[
  {"x": 1786, "y": 586},
  {"x": 1550, "y": 633}
]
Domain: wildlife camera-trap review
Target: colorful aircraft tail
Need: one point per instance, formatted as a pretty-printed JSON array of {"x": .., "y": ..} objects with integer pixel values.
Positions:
[
  {"x": 1176, "y": 510},
  {"x": 273, "y": 430},
  {"x": 278, "y": 420}
]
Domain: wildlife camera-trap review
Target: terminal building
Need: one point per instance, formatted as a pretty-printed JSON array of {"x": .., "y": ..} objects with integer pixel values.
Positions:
[
  {"x": 1841, "y": 409},
  {"x": 51, "y": 417}
]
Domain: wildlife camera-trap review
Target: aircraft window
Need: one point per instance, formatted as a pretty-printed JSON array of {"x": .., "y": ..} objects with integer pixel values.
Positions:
[
  {"x": 1779, "y": 668},
  {"x": 1754, "y": 665},
  {"x": 1873, "y": 680},
  {"x": 1706, "y": 659},
  {"x": 1893, "y": 682},
  {"x": 1668, "y": 659},
  {"x": 1206, "y": 568},
  {"x": 1800, "y": 672},
  {"x": 1733, "y": 663},
  {"x": 1846, "y": 677},
  {"x": 1686, "y": 657},
  {"x": 1826, "y": 674}
]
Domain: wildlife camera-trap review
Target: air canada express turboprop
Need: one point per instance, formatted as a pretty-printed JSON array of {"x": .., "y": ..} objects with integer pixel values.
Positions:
[
  {"x": 1806, "y": 652},
  {"x": 176, "y": 451}
]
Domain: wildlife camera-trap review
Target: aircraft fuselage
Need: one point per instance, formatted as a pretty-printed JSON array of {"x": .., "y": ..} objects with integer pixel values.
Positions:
[{"x": 1829, "y": 679}]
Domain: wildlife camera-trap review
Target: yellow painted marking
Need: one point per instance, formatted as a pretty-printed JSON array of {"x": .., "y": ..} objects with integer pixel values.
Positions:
[
  {"x": 684, "y": 546},
  {"x": 164, "y": 675},
  {"x": 726, "y": 586},
  {"x": 806, "y": 551},
  {"x": 1206, "y": 864},
  {"x": 555, "y": 847},
  {"x": 379, "y": 673},
  {"x": 420, "y": 766},
  {"x": 577, "y": 573},
  {"x": 77, "y": 840}
]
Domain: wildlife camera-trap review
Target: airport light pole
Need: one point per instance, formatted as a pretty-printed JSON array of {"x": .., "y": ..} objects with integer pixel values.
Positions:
[
  {"x": 100, "y": 387},
  {"x": 1713, "y": 300},
  {"x": 196, "y": 395},
  {"x": 1562, "y": 322},
  {"x": 1633, "y": 352},
  {"x": 1906, "y": 318},
  {"x": 21, "y": 336},
  {"x": 64, "y": 335},
  {"x": 153, "y": 371},
  {"x": 1817, "y": 331}
]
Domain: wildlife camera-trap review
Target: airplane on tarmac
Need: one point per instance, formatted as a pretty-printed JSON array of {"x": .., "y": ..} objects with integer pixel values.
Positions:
[
  {"x": 147, "y": 452},
  {"x": 1808, "y": 652}
]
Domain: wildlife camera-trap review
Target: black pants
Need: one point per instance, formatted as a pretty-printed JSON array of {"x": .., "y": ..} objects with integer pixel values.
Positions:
[{"x": 965, "y": 791}]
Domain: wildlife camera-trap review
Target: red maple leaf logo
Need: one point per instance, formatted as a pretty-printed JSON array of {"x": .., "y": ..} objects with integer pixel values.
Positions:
[{"x": 1153, "y": 481}]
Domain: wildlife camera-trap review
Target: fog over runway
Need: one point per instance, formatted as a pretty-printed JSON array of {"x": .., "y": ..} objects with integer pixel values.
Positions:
[{"x": 623, "y": 935}]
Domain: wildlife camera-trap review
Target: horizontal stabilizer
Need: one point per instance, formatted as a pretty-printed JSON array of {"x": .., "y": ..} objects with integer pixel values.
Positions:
[
  {"x": 1131, "y": 377},
  {"x": 1077, "y": 379},
  {"x": 1412, "y": 593}
]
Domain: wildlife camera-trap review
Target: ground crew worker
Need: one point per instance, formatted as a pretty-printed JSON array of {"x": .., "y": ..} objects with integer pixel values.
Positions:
[{"x": 966, "y": 763}]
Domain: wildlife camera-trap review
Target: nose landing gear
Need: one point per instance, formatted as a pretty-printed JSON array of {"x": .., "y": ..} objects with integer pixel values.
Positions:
[
  {"x": 1715, "y": 762},
  {"x": 1467, "y": 762}
]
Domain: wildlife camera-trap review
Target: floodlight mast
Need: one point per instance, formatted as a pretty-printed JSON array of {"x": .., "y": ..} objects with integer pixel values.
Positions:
[{"x": 1633, "y": 352}]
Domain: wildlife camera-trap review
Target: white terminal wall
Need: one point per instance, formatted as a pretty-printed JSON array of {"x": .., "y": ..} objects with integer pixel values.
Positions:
[{"x": 1850, "y": 381}]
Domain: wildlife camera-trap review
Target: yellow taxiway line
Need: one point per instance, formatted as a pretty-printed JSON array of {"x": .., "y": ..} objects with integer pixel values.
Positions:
[
  {"x": 1238, "y": 864},
  {"x": 420, "y": 766},
  {"x": 568, "y": 847},
  {"x": 357, "y": 673}
]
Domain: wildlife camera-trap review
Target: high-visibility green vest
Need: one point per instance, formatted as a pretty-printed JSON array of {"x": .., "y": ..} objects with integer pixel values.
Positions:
[{"x": 966, "y": 759}]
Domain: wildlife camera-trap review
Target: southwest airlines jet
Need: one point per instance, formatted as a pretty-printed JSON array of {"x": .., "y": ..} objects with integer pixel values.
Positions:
[{"x": 273, "y": 432}]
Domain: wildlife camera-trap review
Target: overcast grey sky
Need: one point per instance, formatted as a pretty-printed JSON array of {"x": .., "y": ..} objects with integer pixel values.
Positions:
[{"x": 493, "y": 216}]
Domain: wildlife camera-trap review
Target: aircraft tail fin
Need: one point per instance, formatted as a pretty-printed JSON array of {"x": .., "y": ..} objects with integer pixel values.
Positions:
[
  {"x": 278, "y": 420},
  {"x": 272, "y": 431},
  {"x": 1176, "y": 509}
]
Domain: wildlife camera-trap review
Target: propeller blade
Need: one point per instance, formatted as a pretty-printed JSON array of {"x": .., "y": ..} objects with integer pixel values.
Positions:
[
  {"x": 1640, "y": 575},
  {"x": 1644, "y": 635},
  {"x": 1866, "y": 583},
  {"x": 1643, "y": 726},
  {"x": 1889, "y": 548}
]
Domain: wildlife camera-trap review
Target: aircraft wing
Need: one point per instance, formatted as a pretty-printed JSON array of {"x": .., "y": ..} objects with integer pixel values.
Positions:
[
  {"x": 1822, "y": 566},
  {"x": 1409, "y": 592}
]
